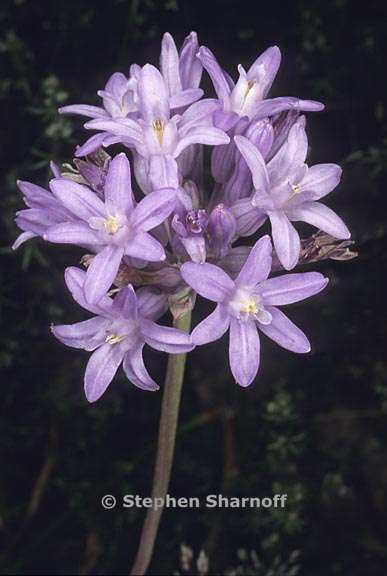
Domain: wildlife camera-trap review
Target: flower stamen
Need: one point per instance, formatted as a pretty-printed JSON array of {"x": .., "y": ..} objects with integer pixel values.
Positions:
[
  {"x": 158, "y": 127},
  {"x": 249, "y": 307},
  {"x": 111, "y": 225},
  {"x": 115, "y": 338},
  {"x": 250, "y": 85}
]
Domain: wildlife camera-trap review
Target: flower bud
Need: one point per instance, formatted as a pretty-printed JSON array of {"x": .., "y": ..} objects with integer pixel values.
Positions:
[{"x": 221, "y": 229}]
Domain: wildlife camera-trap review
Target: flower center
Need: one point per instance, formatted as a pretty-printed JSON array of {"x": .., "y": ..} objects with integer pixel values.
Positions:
[
  {"x": 249, "y": 306},
  {"x": 158, "y": 127},
  {"x": 196, "y": 221},
  {"x": 115, "y": 338},
  {"x": 111, "y": 225}
]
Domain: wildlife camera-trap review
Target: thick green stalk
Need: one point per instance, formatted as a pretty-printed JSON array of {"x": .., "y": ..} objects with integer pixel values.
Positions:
[{"x": 165, "y": 449}]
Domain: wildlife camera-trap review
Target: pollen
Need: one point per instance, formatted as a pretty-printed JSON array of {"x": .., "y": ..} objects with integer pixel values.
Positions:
[
  {"x": 111, "y": 225},
  {"x": 115, "y": 338},
  {"x": 158, "y": 127},
  {"x": 250, "y": 307},
  {"x": 250, "y": 85},
  {"x": 295, "y": 190}
]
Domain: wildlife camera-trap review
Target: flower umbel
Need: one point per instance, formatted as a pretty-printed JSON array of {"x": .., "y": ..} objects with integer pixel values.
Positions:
[{"x": 172, "y": 232}]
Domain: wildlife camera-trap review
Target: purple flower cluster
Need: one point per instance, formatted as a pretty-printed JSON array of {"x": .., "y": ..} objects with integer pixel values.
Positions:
[{"x": 160, "y": 221}]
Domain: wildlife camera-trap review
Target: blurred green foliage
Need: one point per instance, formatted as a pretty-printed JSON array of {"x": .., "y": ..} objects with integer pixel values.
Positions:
[{"x": 313, "y": 428}]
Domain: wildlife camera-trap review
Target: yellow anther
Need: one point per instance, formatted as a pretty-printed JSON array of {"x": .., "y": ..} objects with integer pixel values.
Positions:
[
  {"x": 158, "y": 127},
  {"x": 296, "y": 189},
  {"x": 115, "y": 338},
  {"x": 250, "y": 85},
  {"x": 111, "y": 225},
  {"x": 250, "y": 307}
]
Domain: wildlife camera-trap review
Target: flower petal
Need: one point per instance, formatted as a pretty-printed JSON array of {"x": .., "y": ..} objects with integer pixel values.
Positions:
[
  {"x": 215, "y": 72},
  {"x": 126, "y": 129},
  {"x": 125, "y": 303},
  {"x": 290, "y": 156},
  {"x": 91, "y": 145},
  {"x": 118, "y": 186},
  {"x": 169, "y": 64},
  {"x": 197, "y": 113},
  {"x": 163, "y": 172},
  {"x": 285, "y": 239},
  {"x": 87, "y": 335},
  {"x": 261, "y": 134},
  {"x": 84, "y": 110},
  {"x": 135, "y": 370},
  {"x": 213, "y": 327},
  {"x": 151, "y": 303},
  {"x": 208, "y": 280},
  {"x": 101, "y": 369},
  {"x": 154, "y": 209},
  {"x": 244, "y": 351},
  {"x": 166, "y": 338},
  {"x": 75, "y": 281},
  {"x": 254, "y": 161},
  {"x": 258, "y": 264},
  {"x": 71, "y": 233},
  {"x": 285, "y": 333},
  {"x": 320, "y": 180},
  {"x": 248, "y": 217},
  {"x": 265, "y": 68},
  {"x": 142, "y": 245},
  {"x": 321, "y": 217},
  {"x": 79, "y": 199},
  {"x": 291, "y": 288},
  {"x": 272, "y": 106},
  {"x": 102, "y": 272},
  {"x": 153, "y": 96},
  {"x": 185, "y": 97},
  {"x": 201, "y": 135},
  {"x": 190, "y": 66}
]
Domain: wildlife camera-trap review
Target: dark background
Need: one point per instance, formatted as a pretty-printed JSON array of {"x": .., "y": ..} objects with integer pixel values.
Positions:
[{"x": 312, "y": 427}]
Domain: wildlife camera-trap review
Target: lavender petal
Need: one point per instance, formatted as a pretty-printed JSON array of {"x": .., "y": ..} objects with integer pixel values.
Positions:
[{"x": 244, "y": 351}]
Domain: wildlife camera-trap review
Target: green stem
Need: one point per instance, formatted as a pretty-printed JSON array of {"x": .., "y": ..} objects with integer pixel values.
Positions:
[{"x": 165, "y": 449}]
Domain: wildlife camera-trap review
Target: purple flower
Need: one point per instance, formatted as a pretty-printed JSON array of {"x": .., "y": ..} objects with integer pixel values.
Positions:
[
  {"x": 190, "y": 228},
  {"x": 248, "y": 303},
  {"x": 231, "y": 169},
  {"x": 120, "y": 98},
  {"x": 155, "y": 132},
  {"x": 180, "y": 236},
  {"x": 221, "y": 231},
  {"x": 182, "y": 72},
  {"x": 44, "y": 210},
  {"x": 114, "y": 228},
  {"x": 248, "y": 96},
  {"x": 117, "y": 334},
  {"x": 287, "y": 190},
  {"x": 198, "y": 232}
]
